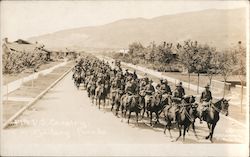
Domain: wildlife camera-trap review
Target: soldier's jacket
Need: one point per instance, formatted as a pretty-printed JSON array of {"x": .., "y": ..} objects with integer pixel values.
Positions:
[
  {"x": 179, "y": 92},
  {"x": 149, "y": 89},
  {"x": 206, "y": 96},
  {"x": 130, "y": 88},
  {"x": 165, "y": 89}
]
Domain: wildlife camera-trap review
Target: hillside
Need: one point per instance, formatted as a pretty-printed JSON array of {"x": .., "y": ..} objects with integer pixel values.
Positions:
[{"x": 219, "y": 28}]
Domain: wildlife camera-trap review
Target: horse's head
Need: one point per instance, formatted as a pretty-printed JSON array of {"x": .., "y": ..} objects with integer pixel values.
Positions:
[
  {"x": 196, "y": 111},
  {"x": 190, "y": 99},
  {"x": 225, "y": 106}
]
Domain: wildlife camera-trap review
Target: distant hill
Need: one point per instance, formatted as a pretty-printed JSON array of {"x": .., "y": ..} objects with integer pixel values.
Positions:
[{"x": 219, "y": 28}]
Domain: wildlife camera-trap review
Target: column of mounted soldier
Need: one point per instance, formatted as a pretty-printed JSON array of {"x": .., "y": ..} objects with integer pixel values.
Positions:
[{"x": 126, "y": 93}]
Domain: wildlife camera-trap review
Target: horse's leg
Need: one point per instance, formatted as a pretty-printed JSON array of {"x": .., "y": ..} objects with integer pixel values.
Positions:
[
  {"x": 117, "y": 109},
  {"x": 104, "y": 102},
  {"x": 165, "y": 128},
  {"x": 180, "y": 127},
  {"x": 169, "y": 127},
  {"x": 137, "y": 118},
  {"x": 212, "y": 132},
  {"x": 151, "y": 116},
  {"x": 129, "y": 116},
  {"x": 184, "y": 132},
  {"x": 157, "y": 117},
  {"x": 112, "y": 103},
  {"x": 99, "y": 103},
  {"x": 208, "y": 125},
  {"x": 193, "y": 126}
]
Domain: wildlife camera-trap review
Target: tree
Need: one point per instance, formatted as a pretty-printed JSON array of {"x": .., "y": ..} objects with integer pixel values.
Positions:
[
  {"x": 239, "y": 60},
  {"x": 136, "y": 49},
  {"x": 213, "y": 66},
  {"x": 186, "y": 57},
  {"x": 165, "y": 53},
  {"x": 225, "y": 67},
  {"x": 202, "y": 58}
]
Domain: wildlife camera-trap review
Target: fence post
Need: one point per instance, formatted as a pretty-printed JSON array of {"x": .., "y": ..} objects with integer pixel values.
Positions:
[{"x": 7, "y": 94}]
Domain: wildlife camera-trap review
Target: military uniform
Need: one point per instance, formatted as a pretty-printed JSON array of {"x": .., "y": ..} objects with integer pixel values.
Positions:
[
  {"x": 206, "y": 98},
  {"x": 130, "y": 90},
  {"x": 149, "y": 89}
]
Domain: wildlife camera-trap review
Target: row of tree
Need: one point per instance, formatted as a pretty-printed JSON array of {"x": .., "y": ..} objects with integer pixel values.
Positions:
[
  {"x": 194, "y": 57},
  {"x": 15, "y": 62}
]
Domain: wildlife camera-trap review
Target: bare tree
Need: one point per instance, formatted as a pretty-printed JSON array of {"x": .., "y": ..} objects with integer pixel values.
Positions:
[
  {"x": 213, "y": 66},
  {"x": 239, "y": 60},
  {"x": 186, "y": 57},
  {"x": 225, "y": 67}
]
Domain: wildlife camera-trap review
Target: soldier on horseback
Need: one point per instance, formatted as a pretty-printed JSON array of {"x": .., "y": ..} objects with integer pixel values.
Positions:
[
  {"x": 179, "y": 93},
  {"x": 205, "y": 100},
  {"x": 164, "y": 89},
  {"x": 150, "y": 90},
  {"x": 130, "y": 89},
  {"x": 135, "y": 75}
]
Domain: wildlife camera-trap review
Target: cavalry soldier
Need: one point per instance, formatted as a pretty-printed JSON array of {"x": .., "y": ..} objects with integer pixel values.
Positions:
[
  {"x": 130, "y": 89},
  {"x": 164, "y": 89},
  {"x": 205, "y": 100},
  {"x": 135, "y": 75},
  {"x": 159, "y": 85},
  {"x": 100, "y": 82},
  {"x": 179, "y": 92},
  {"x": 126, "y": 73},
  {"x": 150, "y": 90}
]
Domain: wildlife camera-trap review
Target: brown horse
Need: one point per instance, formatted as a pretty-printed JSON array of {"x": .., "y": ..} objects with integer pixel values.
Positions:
[
  {"x": 116, "y": 100},
  {"x": 185, "y": 118},
  {"x": 101, "y": 94},
  {"x": 133, "y": 106},
  {"x": 157, "y": 105},
  {"x": 212, "y": 115},
  {"x": 184, "y": 113}
]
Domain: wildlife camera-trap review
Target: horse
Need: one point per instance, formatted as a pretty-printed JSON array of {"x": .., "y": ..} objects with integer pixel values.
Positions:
[
  {"x": 186, "y": 117},
  {"x": 91, "y": 89},
  {"x": 157, "y": 105},
  {"x": 212, "y": 115},
  {"x": 101, "y": 94},
  {"x": 77, "y": 79},
  {"x": 117, "y": 101},
  {"x": 184, "y": 112},
  {"x": 133, "y": 106}
]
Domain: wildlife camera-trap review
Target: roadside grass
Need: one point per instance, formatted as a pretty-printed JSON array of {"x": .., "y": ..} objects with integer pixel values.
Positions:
[
  {"x": 204, "y": 80},
  {"x": 11, "y": 107},
  {"x": 7, "y": 78},
  {"x": 26, "y": 90}
]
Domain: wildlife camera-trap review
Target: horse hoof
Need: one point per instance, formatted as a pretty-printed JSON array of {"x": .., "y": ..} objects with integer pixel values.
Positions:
[{"x": 206, "y": 137}]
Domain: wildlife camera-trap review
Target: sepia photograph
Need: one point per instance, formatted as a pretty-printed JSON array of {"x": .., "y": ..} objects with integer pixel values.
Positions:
[{"x": 124, "y": 78}]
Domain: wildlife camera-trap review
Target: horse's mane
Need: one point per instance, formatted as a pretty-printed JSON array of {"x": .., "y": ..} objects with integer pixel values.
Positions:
[{"x": 218, "y": 102}]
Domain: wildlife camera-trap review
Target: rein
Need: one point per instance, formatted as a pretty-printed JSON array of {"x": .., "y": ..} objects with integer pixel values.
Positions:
[
  {"x": 215, "y": 108},
  {"x": 189, "y": 116}
]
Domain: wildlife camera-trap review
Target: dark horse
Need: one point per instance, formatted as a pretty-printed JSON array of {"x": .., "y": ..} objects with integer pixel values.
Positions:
[
  {"x": 157, "y": 105},
  {"x": 211, "y": 115},
  {"x": 101, "y": 94},
  {"x": 77, "y": 79},
  {"x": 116, "y": 100},
  {"x": 133, "y": 106},
  {"x": 185, "y": 113}
]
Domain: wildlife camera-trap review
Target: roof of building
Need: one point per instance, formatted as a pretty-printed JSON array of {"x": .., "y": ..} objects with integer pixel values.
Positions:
[{"x": 24, "y": 46}]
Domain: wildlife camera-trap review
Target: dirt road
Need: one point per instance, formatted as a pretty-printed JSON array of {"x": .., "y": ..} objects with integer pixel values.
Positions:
[{"x": 65, "y": 122}]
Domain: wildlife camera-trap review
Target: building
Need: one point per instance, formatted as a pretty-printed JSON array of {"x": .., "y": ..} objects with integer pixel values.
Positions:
[{"x": 21, "y": 45}]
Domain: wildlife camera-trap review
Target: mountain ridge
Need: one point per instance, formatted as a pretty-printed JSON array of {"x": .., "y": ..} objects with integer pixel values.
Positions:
[{"x": 219, "y": 28}]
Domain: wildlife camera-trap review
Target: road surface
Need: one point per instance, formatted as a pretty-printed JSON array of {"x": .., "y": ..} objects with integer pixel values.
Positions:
[{"x": 65, "y": 122}]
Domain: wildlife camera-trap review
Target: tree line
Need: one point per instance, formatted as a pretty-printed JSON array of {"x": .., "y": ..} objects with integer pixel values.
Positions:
[{"x": 190, "y": 55}]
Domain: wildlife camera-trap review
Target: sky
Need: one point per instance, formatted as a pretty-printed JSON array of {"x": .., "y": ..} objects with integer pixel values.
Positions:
[{"x": 24, "y": 19}]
